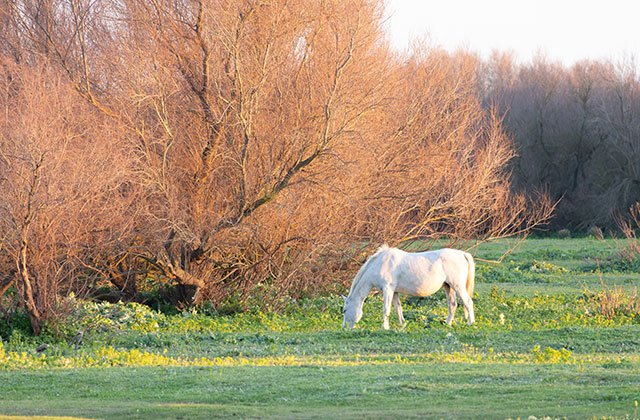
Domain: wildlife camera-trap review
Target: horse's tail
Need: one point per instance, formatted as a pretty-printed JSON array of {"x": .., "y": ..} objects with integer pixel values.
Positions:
[
  {"x": 471, "y": 274},
  {"x": 363, "y": 269}
]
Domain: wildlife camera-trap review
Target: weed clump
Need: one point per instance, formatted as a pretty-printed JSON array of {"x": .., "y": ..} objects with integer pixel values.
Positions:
[
  {"x": 552, "y": 356},
  {"x": 596, "y": 232},
  {"x": 615, "y": 301}
]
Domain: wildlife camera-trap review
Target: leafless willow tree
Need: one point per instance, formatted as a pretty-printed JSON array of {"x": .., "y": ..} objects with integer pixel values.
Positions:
[{"x": 243, "y": 120}]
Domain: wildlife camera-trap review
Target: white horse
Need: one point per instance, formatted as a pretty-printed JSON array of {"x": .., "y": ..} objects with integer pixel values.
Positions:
[{"x": 395, "y": 271}]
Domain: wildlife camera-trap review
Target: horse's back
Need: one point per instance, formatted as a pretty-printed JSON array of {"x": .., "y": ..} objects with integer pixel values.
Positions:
[
  {"x": 448, "y": 257},
  {"x": 451, "y": 255},
  {"x": 424, "y": 273},
  {"x": 413, "y": 273}
]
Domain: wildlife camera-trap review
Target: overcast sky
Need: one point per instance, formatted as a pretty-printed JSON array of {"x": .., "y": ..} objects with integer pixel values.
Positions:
[{"x": 566, "y": 30}]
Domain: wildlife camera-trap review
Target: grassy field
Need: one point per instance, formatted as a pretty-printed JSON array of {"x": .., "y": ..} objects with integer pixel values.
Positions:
[{"x": 557, "y": 335}]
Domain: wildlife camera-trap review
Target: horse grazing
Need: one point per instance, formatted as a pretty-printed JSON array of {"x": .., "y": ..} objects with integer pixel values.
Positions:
[{"x": 395, "y": 271}]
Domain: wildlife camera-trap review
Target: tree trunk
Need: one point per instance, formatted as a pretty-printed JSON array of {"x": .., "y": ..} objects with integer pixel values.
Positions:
[
  {"x": 35, "y": 317},
  {"x": 123, "y": 274},
  {"x": 181, "y": 276},
  {"x": 188, "y": 281}
]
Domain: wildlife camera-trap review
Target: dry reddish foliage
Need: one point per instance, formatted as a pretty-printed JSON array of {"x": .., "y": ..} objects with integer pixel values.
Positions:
[
  {"x": 263, "y": 144},
  {"x": 63, "y": 182}
]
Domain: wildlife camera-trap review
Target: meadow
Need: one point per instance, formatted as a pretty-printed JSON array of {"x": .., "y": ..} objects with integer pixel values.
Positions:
[{"x": 557, "y": 335}]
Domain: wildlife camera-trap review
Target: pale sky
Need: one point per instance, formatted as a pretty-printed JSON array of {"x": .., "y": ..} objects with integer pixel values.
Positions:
[{"x": 565, "y": 30}]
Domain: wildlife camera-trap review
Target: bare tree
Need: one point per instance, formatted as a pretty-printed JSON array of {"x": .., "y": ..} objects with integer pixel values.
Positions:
[
  {"x": 62, "y": 187},
  {"x": 265, "y": 94},
  {"x": 444, "y": 171}
]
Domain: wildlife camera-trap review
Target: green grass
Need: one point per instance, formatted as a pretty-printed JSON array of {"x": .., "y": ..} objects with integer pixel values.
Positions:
[
  {"x": 542, "y": 346},
  {"x": 395, "y": 390}
]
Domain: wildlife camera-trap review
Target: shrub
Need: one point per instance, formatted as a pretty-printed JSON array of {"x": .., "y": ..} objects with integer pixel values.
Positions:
[
  {"x": 14, "y": 320},
  {"x": 102, "y": 317}
]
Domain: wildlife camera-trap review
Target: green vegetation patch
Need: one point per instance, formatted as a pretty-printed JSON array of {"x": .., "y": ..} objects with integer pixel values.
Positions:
[{"x": 552, "y": 338}]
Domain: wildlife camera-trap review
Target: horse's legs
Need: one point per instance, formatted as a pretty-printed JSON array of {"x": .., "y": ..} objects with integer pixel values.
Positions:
[
  {"x": 452, "y": 301},
  {"x": 396, "y": 303},
  {"x": 468, "y": 304},
  {"x": 387, "y": 296}
]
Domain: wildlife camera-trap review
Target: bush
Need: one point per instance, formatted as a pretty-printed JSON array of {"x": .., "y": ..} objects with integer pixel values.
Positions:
[
  {"x": 101, "y": 317},
  {"x": 16, "y": 320}
]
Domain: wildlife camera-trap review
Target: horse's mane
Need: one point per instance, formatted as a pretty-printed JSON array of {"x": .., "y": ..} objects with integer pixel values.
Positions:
[{"x": 360, "y": 273}]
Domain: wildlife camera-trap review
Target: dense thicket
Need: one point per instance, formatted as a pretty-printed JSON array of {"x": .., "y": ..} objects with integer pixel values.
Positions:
[
  {"x": 576, "y": 131},
  {"x": 231, "y": 148}
]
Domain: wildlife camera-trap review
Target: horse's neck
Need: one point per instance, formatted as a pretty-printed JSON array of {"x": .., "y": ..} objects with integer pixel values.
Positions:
[{"x": 360, "y": 292}]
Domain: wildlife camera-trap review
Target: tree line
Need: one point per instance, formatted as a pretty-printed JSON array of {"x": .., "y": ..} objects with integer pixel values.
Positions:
[
  {"x": 576, "y": 131},
  {"x": 232, "y": 148}
]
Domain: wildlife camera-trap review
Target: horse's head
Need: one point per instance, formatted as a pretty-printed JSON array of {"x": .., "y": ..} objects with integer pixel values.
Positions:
[{"x": 352, "y": 312}]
